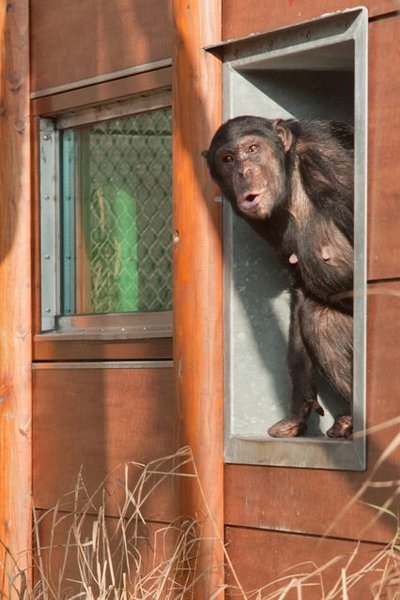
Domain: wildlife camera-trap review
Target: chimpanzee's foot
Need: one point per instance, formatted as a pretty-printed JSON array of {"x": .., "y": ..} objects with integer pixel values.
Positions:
[
  {"x": 342, "y": 427},
  {"x": 293, "y": 426},
  {"x": 288, "y": 427}
]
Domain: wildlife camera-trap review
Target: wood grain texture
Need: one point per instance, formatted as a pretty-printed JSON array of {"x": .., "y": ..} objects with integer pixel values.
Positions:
[
  {"x": 310, "y": 501},
  {"x": 245, "y": 18},
  {"x": 260, "y": 558},
  {"x": 73, "y": 40},
  {"x": 198, "y": 272},
  {"x": 94, "y": 420},
  {"x": 15, "y": 283},
  {"x": 383, "y": 164}
]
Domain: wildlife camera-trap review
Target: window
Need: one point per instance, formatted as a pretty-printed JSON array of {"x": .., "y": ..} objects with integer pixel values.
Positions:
[
  {"x": 106, "y": 218},
  {"x": 317, "y": 69}
]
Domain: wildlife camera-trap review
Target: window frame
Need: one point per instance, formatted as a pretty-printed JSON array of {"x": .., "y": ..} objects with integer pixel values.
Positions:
[
  {"x": 108, "y": 326},
  {"x": 239, "y": 97}
]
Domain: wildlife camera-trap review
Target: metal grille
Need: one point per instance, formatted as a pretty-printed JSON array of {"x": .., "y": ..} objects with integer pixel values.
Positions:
[{"x": 123, "y": 181}]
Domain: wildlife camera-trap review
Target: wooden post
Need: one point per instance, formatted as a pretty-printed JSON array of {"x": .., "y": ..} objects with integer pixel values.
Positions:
[
  {"x": 198, "y": 275},
  {"x": 15, "y": 291}
]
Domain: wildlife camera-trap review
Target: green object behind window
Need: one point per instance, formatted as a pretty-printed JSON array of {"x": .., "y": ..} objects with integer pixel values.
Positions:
[{"x": 117, "y": 190}]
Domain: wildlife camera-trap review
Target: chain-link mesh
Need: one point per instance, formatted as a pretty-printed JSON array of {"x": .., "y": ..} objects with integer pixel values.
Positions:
[{"x": 125, "y": 175}]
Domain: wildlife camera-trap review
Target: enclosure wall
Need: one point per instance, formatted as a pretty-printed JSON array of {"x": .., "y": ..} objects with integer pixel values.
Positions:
[
  {"x": 287, "y": 506},
  {"x": 101, "y": 401}
]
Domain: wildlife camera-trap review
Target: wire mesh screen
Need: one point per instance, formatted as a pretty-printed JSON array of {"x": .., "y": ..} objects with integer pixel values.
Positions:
[{"x": 123, "y": 247}]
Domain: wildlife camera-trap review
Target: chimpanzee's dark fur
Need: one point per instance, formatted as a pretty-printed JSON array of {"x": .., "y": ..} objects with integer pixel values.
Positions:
[{"x": 293, "y": 182}]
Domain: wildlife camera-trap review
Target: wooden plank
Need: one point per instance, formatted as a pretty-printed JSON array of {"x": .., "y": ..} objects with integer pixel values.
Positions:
[
  {"x": 308, "y": 500},
  {"x": 58, "y": 350},
  {"x": 61, "y": 537},
  {"x": 73, "y": 40},
  {"x": 15, "y": 284},
  {"x": 102, "y": 92},
  {"x": 267, "y": 558},
  {"x": 92, "y": 420},
  {"x": 198, "y": 273},
  {"x": 245, "y": 18},
  {"x": 383, "y": 166}
]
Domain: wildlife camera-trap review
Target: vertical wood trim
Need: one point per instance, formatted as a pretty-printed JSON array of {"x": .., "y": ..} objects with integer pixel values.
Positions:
[
  {"x": 198, "y": 274},
  {"x": 15, "y": 283},
  {"x": 82, "y": 199}
]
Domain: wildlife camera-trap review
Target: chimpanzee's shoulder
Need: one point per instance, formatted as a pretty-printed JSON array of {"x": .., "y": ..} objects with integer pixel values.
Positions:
[{"x": 323, "y": 130}]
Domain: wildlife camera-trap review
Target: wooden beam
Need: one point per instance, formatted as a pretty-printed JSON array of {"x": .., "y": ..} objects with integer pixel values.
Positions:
[
  {"x": 15, "y": 288},
  {"x": 198, "y": 276}
]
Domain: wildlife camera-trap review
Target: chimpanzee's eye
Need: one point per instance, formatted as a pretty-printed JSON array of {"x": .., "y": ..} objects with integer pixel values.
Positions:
[
  {"x": 227, "y": 158},
  {"x": 253, "y": 148}
]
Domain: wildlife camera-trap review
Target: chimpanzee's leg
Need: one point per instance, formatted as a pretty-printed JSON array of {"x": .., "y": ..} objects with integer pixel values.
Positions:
[
  {"x": 302, "y": 374},
  {"x": 328, "y": 335}
]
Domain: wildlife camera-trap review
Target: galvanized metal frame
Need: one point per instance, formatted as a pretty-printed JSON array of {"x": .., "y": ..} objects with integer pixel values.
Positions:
[
  {"x": 49, "y": 224},
  {"x": 327, "y": 32},
  {"x": 102, "y": 327},
  {"x": 68, "y": 224}
]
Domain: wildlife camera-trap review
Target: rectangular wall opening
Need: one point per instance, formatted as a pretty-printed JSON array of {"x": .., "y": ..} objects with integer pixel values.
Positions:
[{"x": 316, "y": 70}]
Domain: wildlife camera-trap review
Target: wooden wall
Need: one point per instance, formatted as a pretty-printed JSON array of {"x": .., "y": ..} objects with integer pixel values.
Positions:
[
  {"x": 74, "y": 41},
  {"x": 90, "y": 418},
  {"x": 100, "y": 416},
  {"x": 246, "y": 18},
  {"x": 97, "y": 404},
  {"x": 94, "y": 424},
  {"x": 277, "y": 510}
]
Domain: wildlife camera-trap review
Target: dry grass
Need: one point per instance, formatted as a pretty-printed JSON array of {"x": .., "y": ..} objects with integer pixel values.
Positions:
[{"x": 88, "y": 556}]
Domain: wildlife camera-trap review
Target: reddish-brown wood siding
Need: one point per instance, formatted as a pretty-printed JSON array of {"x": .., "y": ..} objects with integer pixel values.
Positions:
[
  {"x": 244, "y": 18},
  {"x": 94, "y": 420},
  {"x": 73, "y": 40},
  {"x": 261, "y": 558},
  {"x": 384, "y": 134}
]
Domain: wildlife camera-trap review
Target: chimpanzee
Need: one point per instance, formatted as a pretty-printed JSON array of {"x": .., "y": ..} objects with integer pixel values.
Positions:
[{"x": 293, "y": 182}]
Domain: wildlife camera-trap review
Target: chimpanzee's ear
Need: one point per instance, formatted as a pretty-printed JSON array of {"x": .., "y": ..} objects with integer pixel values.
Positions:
[
  {"x": 205, "y": 154},
  {"x": 284, "y": 133}
]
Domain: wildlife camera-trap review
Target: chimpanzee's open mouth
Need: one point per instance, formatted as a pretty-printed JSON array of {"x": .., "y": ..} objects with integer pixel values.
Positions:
[{"x": 249, "y": 200}]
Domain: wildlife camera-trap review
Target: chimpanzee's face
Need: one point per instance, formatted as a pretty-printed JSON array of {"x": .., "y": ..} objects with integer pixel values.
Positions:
[{"x": 250, "y": 172}]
